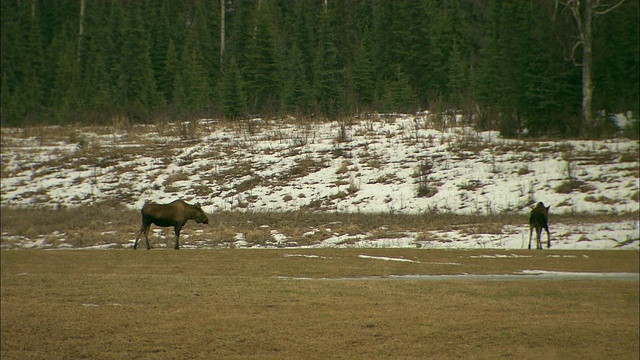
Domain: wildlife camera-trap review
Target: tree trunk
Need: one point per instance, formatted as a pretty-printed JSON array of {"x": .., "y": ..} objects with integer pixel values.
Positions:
[
  {"x": 81, "y": 27},
  {"x": 587, "y": 60},
  {"x": 583, "y": 20}
]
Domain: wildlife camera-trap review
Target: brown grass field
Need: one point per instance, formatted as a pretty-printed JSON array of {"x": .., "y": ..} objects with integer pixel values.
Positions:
[{"x": 246, "y": 304}]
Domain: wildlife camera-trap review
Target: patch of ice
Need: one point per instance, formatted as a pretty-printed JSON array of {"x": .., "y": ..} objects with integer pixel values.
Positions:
[
  {"x": 384, "y": 258},
  {"x": 306, "y": 256},
  {"x": 525, "y": 275},
  {"x": 240, "y": 241},
  {"x": 101, "y": 246},
  {"x": 590, "y": 275},
  {"x": 499, "y": 256},
  {"x": 279, "y": 238}
]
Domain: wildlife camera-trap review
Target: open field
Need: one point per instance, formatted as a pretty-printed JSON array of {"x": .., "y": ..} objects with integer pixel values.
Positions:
[{"x": 314, "y": 304}]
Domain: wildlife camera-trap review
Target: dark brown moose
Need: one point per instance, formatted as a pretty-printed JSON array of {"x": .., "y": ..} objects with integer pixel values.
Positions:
[
  {"x": 539, "y": 219},
  {"x": 174, "y": 214}
]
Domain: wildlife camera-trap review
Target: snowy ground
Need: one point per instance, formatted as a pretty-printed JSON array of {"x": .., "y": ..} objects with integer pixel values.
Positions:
[{"x": 393, "y": 163}]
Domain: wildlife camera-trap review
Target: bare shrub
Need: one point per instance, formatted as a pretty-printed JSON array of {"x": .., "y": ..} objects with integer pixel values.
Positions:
[
  {"x": 353, "y": 187},
  {"x": 343, "y": 135},
  {"x": 344, "y": 168},
  {"x": 628, "y": 157},
  {"x": 471, "y": 185},
  {"x": 306, "y": 166},
  {"x": 570, "y": 185},
  {"x": 425, "y": 188},
  {"x": 524, "y": 170}
]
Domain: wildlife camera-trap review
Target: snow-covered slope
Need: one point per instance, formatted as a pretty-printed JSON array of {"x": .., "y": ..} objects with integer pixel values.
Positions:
[
  {"x": 396, "y": 164},
  {"x": 393, "y": 163}
]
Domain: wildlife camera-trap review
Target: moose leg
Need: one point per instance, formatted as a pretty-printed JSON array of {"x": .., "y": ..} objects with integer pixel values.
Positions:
[
  {"x": 530, "y": 234},
  {"x": 548, "y": 238},
  {"x": 146, "y": 236},
  {"x": 539, "y": 237},
  {"x": 135, "y": 243},
  {"x": 177, "y": 230}
]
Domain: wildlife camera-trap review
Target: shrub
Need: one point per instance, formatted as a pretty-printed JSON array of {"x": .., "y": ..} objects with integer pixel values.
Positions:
[{"x": 570, "y": 185}]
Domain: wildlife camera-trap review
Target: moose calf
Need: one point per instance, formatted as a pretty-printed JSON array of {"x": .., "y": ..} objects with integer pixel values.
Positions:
[{"x": 538, "y": 220}]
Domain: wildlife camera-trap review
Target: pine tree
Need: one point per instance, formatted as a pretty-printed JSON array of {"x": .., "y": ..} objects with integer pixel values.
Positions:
[
  {"x": 66, "y": 97},
  {"x": 399, "y": 95},
  {"x": 617, "y": 60},
  {"x": 363, "y": 77},
  {"x": 297, "y": 94},
  {"x": 304, "y": 33},
  {"x": 161, "y": 35},
  {"x": 167, "y": 77},
  {"x": 136, "y": 73},
  {"x": 328, "y": 76},
  {"x": 194, "y": 83},
  {"x": 205, "y": 24},
  {"x": 233, "y": 100},
  {"x": 261, "y": 73},
  {"x": 96, "y": 45},
  {"x": 458, "y": 78}
]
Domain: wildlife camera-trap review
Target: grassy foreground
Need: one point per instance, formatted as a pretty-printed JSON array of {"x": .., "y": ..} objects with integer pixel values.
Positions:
[{"x": 243, "y": 304}]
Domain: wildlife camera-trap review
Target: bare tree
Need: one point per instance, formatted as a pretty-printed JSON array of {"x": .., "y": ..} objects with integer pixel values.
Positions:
[{"x": 583, "y": 12}]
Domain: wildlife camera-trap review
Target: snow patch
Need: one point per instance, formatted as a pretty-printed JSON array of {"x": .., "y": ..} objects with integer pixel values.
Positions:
[{"x": 384, "y": 258}]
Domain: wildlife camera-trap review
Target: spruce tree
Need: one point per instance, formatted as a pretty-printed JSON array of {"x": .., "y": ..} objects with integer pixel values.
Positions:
[
  {"x": 458, "y": 78},
  {"x": 233, "y": 100},
  {"x": 328, "y": 76},
  {"x": 167, "y": 77},
  {"x": 261, "y": 73},
  {"x": 66, "y": 98},
  {"x": 297, "y": 93},
  {"x": 136, "y": 73},
  {"x": 194, "y": 83},
  {"x": 363, "y": 77},
  {"x": 400, "y": 96}
]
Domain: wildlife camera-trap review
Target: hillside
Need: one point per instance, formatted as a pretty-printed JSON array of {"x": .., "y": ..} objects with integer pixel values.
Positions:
[{"x": 382, "y": 164}]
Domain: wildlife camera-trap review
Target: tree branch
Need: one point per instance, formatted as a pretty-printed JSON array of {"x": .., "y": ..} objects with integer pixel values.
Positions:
[
  {"x": 602, "y": 12},
  {"x": 573, "y": 52},
  {"x": 574, "y": 7}
]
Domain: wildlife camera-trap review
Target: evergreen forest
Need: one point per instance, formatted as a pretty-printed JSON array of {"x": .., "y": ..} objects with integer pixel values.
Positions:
[{"x": 510, "y": 65}]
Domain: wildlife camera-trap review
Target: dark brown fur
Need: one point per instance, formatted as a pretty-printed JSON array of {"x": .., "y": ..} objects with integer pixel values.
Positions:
[
  {"x": 539, "y": 219},
  {"x": 175, "y": 214}
]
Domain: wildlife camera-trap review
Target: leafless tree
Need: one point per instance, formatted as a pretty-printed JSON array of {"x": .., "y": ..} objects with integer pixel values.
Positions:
[{"x": 583, "y": 12}]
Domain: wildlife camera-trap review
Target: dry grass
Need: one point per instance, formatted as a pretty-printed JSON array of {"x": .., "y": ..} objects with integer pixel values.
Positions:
[
  {"x": 235, "y": 304},
  {"x": 110, "y": 223}
]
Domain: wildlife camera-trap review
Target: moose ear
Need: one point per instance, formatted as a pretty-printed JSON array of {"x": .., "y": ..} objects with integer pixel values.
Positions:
[{"x": 198, "y": 204}]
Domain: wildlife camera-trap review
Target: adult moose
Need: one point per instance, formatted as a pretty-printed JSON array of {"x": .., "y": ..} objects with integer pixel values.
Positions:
[
  {"x": 539, "y": 219},
  {"x": 174, "y": 214}
]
